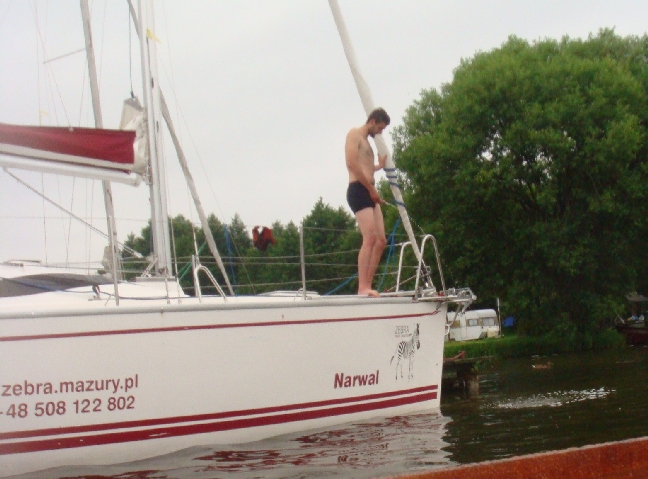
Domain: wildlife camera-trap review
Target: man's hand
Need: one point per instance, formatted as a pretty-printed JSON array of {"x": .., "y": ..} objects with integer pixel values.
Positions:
[{"x": 375, "y": 197}]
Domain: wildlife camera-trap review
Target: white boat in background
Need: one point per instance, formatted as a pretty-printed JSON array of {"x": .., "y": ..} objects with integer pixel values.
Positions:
[
  {"x": 474, "y": 324},
  {"x": 98, "y": 370}
]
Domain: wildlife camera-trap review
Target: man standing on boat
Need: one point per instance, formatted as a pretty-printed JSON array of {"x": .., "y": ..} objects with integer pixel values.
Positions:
[{"x": 363, "y": 198}]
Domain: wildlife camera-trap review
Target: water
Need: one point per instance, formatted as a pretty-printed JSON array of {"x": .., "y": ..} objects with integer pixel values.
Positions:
[
  {"x": 574, "y": 400},
  {"x": 581, "y": 399}
]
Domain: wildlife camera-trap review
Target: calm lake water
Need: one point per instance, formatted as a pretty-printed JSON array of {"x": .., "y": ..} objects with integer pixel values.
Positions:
[{"x": 577, "y": 399}]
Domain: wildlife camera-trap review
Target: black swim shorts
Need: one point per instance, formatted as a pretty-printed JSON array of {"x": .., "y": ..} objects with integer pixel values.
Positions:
[{"x": 358, "y": 197}]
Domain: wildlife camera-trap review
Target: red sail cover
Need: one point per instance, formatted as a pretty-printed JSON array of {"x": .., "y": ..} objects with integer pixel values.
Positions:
[{"x": 90, "y": 146}]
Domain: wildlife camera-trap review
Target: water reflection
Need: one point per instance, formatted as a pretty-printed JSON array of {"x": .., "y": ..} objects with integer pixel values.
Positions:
[
  {"x": 375, "y": 448},
  {"x": 554, "y": 399}
]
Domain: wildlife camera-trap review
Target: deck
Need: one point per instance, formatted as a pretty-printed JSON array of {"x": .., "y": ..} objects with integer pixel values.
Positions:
[{"x": 613, "y": 460}]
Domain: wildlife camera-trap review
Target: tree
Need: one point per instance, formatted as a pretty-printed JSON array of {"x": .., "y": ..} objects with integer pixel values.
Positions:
[
  {"x": 530, "y": 169},
  {"x": 331, "y": 244},
  {"x": 186, "y": 239}
]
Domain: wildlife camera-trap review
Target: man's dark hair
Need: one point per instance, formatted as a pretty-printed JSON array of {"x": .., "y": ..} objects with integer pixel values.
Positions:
[{"x": 379, "y": 116}]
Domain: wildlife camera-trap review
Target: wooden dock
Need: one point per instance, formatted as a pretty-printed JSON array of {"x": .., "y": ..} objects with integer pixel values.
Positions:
[
  {"x": 613, "y": 460},
  {"x": 459, "y": 372}
]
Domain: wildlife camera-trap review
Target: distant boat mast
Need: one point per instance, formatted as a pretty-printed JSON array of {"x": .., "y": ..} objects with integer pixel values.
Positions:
[{"x": 107, "y": 189}]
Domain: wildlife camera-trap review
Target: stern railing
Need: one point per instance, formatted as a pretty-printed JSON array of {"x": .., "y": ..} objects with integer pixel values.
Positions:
[{"x": 422, "y": 269}]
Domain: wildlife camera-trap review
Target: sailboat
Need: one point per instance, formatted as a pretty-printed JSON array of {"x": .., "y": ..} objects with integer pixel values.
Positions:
[{"x": 99, "y": 370}]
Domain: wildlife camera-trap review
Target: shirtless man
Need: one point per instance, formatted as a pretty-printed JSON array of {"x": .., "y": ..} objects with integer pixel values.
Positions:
[{"x": 363, "y": 198}]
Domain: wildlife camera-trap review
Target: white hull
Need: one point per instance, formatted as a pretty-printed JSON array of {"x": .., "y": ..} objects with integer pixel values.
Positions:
[{"x": 103, "y": 385}]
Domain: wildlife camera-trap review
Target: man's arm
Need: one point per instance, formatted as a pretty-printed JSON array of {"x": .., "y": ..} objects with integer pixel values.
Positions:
[{"x": 382, "y": 160}]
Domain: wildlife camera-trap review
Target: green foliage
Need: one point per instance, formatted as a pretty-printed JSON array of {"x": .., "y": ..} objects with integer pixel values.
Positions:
[
  {"x": 514, "y": 346},
  {"x": 530, "y": 169},
  {"x": 187, "y": 240},
  {"x": 276, "y": 268},
  {"x": 330, "y": 244}
]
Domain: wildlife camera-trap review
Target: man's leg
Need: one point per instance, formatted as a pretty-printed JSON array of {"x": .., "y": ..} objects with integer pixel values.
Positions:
[
  {"x": 379, "y": 244},
  {"x": 370, "y": 222}
]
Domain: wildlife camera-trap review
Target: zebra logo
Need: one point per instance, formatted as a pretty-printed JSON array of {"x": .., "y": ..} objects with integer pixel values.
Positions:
[{"x": 405, "y": 351}]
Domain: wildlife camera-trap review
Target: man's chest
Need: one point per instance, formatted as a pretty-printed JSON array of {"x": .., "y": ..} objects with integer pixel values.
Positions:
[{"x": 366, "y": 152}]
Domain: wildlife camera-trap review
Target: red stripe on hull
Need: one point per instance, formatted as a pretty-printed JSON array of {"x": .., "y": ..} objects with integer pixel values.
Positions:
[
  {"x": 209, "y": 326},
  {"x": 203, "y": 428},
  {"x": 208, "y": 417}
]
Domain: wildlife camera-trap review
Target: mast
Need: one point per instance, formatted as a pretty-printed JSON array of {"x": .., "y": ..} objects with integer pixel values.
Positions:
[
  {"x": 152, "y": 106},
  {"x": 368, "y": 104},
  {"x": 96, "y": 108},
  {"x": 185, "y": 169}
]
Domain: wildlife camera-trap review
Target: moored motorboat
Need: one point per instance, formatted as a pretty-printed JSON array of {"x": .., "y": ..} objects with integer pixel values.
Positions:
[{"x": 635, "y": 327}]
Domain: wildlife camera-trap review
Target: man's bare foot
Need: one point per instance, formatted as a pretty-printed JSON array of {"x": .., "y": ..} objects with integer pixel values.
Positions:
[{"x": 370, "y": 292}]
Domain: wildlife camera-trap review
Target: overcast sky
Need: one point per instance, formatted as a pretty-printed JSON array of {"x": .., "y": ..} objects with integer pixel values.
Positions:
[{"x": 259, "y": 89}]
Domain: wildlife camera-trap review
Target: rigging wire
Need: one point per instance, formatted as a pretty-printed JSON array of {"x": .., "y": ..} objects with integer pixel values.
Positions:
[
  {"x": 390, "y": 251},
  {"x": 341, "y": 285},
  {"x": 49, "y": 78},
  {"x": 52, "y": 86},
  {"x": 65, "y": 237},
  {"x": 40, "y": 122},
  {"x": 83, "y": 84},
  {"x": 44, "y": 221},
  {"x": 229, "y": 250},
  {"x": 69, "y": 213},
  {"x": 69, "y": 235},
  {"x": 6, "y": 13},
  {"x": 173, "y": 249},
  {"x": 89, "y": 185},
  {"x": 205, "y": 176},
  {"x": 103, "y": 35},
  {"x": 193, "y": 142}
]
